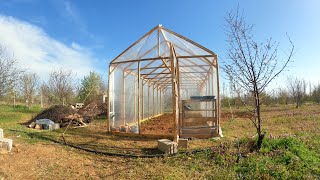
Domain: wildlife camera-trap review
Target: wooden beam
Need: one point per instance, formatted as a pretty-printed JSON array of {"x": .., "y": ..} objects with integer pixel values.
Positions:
[
  {"x": 153, "y": 105},
  {"x": 161, "y": 102},
  {"x": 193, "y": 56},
  {"x": 151, "y": 74},
  {"x": 139, "y": 96},
  {"x": 158, "y": 41},
  {"x": 174, "y": 94},
  {"x": 218, "y": 95},
  {"x": 109, "y": 103},
  {"x": 142, "y": 99},
  {"x": 124, "y": 98},
  {"x": 139, "y": 60},
  {"x": 135, "y": 99},
  {"x": 149, "y": 100}
]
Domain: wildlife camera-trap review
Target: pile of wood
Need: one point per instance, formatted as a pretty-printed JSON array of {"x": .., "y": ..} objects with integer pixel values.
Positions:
[
  {"x": 62, "y": 115},
  {"x": 93, "y": 109},
  {"x": 72, "y": 119}
]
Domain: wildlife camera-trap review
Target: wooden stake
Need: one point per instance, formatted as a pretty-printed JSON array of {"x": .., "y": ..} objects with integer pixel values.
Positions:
[
  {"x": 142, "y": 99},
  {"x": 109, "y": 103},
  {"x": 139, "y": 102},
  {"x": 218, "y": 95},
  {"x": 149, "y": 99},
  {"x": 124, "y": 98},
  {"x": 135, "y": 99},
  {"x": 174, "y": 98}
]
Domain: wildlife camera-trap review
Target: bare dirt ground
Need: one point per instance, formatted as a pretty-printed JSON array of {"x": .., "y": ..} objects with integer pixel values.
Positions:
[
  {"x": 162, "y": 125},
  {"x": 51, "y": 161},
  {"x": 32, "y": 158}
]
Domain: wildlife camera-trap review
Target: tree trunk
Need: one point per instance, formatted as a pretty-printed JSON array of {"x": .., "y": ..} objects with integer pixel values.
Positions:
[{"x": 258, "y": 112}]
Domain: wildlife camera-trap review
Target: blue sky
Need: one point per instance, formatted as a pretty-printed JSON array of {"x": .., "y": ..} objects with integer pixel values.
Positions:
[{"x": 86, "y": 35}]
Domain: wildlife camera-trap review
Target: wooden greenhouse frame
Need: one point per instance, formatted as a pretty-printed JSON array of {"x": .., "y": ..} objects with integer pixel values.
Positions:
[{"x": 159, "y": 62}]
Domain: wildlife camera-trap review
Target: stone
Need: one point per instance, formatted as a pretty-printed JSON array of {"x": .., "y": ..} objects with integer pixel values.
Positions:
[
  {"x": 38, "y": 126},
  {"x": 6, "y": 144},
  {"x": 32, "y": 125},
  {"x": 55, "y": 126},
  {"x": 220, "y": 132},
  {"x": 167, "y": 146},
  {"x": 1, "y": 133},
  {"x": 183, "y": 143}
]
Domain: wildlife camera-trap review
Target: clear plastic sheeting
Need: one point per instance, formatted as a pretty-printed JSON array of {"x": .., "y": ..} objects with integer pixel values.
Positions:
[{"x": 155, "y": 74}]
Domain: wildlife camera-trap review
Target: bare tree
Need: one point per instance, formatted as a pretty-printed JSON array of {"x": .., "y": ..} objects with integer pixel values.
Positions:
[
  {"x": 315, "y": 95},
  {"x": 297, "y": 89},
  {"x": 283, "y": 96},
  {"x": 9, "y": 71},
  {"x": 60, "y": 86},
  {"x": 251, "y": 65},
  {"x": 29, "y": 86}
]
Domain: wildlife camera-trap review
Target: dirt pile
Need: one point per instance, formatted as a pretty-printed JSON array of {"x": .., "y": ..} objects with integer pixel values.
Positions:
[
  {"x": 94, "y": 109},
  {"x": 55, "y": 113},
  {"x": 60, "y": 114}
]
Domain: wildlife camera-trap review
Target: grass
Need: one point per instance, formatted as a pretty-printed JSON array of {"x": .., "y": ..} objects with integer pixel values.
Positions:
[{"x": 291, "y": 149}]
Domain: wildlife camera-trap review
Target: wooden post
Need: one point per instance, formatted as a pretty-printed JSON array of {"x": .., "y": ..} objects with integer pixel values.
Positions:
[
  {"x": 139, "y": 102},
  {"x": 174, "y": 98},
  {"x": 153, "y": 103},
  {"x": 149, "y": 100},
  {"x": 142, "y": 99},
  {"x": 218, "y": 95},
  {"x": 160, "y": 101},
  {"x": 206, "y": 101},
  {"x": 123, "y": 98},
  {"x": 159, "y": 40},
  {"x": 109, "y": 102},
  {"x": 135, "y": 99}
]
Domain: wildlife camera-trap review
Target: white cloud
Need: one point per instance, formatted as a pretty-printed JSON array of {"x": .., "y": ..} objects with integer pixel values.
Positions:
[{"x": 40, "y": 53}]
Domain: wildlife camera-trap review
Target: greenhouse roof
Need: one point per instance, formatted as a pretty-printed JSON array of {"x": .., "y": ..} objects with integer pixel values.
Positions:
[{"x": 154, "y": 50}]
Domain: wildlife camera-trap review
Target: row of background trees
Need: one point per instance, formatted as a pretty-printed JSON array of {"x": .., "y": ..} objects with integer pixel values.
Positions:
[
  {"x": 17, "y": 85},
  {"x": 296, "y": 91}
]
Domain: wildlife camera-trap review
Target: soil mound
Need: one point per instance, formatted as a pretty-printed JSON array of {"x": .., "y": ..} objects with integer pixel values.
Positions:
[
  {"x": 55, "y": 113},
  {"x": 94, "y": 109}
]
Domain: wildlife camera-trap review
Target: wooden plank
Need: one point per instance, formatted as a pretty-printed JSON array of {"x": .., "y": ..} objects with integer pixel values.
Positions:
[
  {"x": 109, "y": 103},
  {"x": 151, "y": 74},
  {"x": 218, "y": 94},
  {"x": 142, "y": 99},
  {"x": 174, "y": 95},
  {"x": 139, "y": 102},
  {"x": 139, "y": 60},
  {"x": 158, "y": 100},
  {"x": 135, "y": 99},
  {"x": 124, "y": 98},
  {"x": 158, "y": 41},
  {"x": 149, "y": 100},
  {"x": 153, "y": 105},
  {"x": 193, "y": 56}
]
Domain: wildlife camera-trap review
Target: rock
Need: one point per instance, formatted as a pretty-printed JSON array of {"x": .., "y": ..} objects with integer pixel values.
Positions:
[
  {"x": 6, "y": 144},
  {"x": 183, "y": 143},
  {"x": 32, "y": 125},
  {"x": 1, "y": 133},
  {"x": 38, "y": 126},
  {"x": 55, "y": 126},
  {"x": 167, "y": 146}
]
